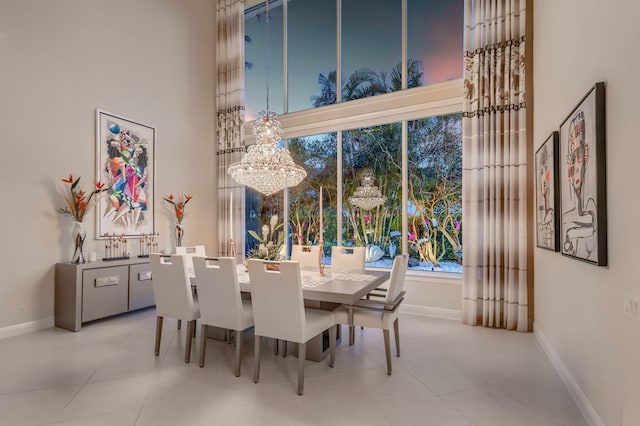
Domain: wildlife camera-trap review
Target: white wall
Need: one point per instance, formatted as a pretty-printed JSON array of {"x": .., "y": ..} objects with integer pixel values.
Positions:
[
  {"x": 148, "y": 60},
  {"x": 579, "y": 306}
]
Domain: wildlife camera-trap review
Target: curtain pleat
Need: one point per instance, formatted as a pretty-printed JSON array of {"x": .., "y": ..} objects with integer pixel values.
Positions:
[
  {"x": 230, "y": 117},
  {"x": 495, "y": 165}
]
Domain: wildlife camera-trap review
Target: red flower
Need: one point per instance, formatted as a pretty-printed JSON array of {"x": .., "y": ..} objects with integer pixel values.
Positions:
[
  {"x": 171, "y": 197},
  {"x": 188, "y": 197},
  {"x": 69, "y": 180},
  {"x": 99, "y": 185}
]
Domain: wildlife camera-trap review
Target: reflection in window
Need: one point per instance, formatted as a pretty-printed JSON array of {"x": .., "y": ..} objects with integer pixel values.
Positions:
[
  {"x": 377, "y": 150},
  {"x": 265, "y": 225},
  {"x": 435, "y": 193},
  {"x": 318, "y": 154}
]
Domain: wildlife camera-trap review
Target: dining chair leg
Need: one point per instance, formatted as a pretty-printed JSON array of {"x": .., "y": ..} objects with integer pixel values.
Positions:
[
  {"x": 187, "y": 351},
  {"x": 239, "y": 334},
  {"x": 256, "y": 360},
  {"x": 203, "y": 343},
  {"x": 387, "y": 350},
  {"x": 195, "y": 324},
  {"x": 352, "y": 335},
  {"x": 395, "y": 332},
  {"x": 276, "y": 343},
  {"x": 302, "y": 354},
  {"x": 332, "y": 346},
  {"x": 158, "y": 334},
  {"x": 179, "y": 324},
  {"x": 284, "y": 348}
]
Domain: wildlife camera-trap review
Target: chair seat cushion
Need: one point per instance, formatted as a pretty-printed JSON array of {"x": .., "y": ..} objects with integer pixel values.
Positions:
[
  {"x": 366, "y": 317},
  {"x": 317, "y": 321}
]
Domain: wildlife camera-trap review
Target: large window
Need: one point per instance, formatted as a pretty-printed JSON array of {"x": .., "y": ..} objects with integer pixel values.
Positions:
[{"x": 406, "y": 132}]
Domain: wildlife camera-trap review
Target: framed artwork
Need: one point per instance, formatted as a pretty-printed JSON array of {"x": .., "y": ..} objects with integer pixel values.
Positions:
[
  {"x": 583, "y": 219},
  {"x": 125, "y": 162},
  {"x": 547, "y": 194}
]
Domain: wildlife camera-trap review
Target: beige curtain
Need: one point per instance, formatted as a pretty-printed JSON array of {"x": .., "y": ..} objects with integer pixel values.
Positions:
[
  {"x": 494, "y": 165},
  {"x": 230, "y": 117}
]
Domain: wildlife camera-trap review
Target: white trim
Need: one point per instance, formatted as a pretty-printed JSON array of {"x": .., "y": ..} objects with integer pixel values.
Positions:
[
  {"x": 429, "y": 311},
  {"x": 581, "y": 400},
  {"x": 25, "y": 327},
  {"x": 411, "y": 104}
]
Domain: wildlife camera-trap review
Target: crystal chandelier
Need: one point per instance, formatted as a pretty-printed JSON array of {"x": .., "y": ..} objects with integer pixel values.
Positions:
[
  {"x": 267, "y": 167},
  {"x": 367, "y": 195}
]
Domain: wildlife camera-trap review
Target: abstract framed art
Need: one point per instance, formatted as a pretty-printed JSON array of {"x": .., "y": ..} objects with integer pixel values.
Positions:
[
  {"x": 125, "y": 161},
  {"x": 547, "y": 194},
  {"x": 583, "y": 219}
]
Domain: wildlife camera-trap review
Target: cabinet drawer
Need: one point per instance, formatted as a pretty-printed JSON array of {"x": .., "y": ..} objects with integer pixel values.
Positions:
[
  {"x": 105, "y": 292},
  {"x": 140, "y": 287}
]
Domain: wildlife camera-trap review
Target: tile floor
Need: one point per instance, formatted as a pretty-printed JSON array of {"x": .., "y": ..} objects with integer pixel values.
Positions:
[{"x": 449, "y": 374}]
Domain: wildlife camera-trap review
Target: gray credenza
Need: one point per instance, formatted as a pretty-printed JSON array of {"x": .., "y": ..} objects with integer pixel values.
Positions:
[{"x": 94, "y": 290}]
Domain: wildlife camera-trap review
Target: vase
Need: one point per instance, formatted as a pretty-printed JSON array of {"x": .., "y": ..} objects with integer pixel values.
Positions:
[
  {"x": 179, "y": 235},
  {"x": 79, "y": 234},
  {"x": 392, "y": 250}
]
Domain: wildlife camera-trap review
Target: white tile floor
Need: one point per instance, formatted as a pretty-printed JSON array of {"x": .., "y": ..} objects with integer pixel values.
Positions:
[{"x": 449, "y": 374}]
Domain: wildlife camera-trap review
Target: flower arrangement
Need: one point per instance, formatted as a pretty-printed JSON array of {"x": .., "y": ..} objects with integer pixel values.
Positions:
[
  {"x": 79, "y": 201},
  {"x": 178, "y": 204},
  {"x": 271, "y": 244}
]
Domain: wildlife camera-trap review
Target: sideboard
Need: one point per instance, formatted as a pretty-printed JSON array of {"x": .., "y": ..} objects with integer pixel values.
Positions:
[{"x": 89, "y": 291}]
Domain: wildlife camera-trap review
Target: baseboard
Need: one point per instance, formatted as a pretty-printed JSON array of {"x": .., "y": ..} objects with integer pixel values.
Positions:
[
  {"x": 581, "y": 400},
  {"x": 428, "y": 311},
  {"x": 25, "y": 327}
]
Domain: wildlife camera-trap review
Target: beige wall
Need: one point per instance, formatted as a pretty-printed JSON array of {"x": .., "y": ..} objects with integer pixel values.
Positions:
[
  {"x": 579, "y": 306},
  {"x": 148, "y": 60}
]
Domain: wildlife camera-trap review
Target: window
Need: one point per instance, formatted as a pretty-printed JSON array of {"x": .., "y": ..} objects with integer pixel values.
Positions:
[{"x": 401, "y": 133}]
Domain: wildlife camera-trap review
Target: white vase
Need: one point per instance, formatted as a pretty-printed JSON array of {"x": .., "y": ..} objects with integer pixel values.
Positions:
[
  {"x": 392, "y": 250},
  {"x": 79, "y": 234}
]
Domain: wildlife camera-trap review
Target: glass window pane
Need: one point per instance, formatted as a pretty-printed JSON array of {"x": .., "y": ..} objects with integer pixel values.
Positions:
[
  {"x": 377, "y": 150},
  {"x": 371, "y": 47},
  {"x": 434, "y": 41},
  {"x": 317, "y": 154},
  {"x": 265, "y": 225},
  {"x": 258, "y": 57},
  {"x": 435, "y": 193},
  {"x": 311, "y": 53}
]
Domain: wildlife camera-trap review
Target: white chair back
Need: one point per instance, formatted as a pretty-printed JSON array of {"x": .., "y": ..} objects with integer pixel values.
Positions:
[
  {"x": 307, "y": 256},
  {"x": 276, "y": 296},
  {"x": 171, "y": 288},
  {"x": 347, "y": 258},
  {"x": 218, "y": 292},
  {"x": 398, "y": 272},
  {"x": 188, "y": 254}
]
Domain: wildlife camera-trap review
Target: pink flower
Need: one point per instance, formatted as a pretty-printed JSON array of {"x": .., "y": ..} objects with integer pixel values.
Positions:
[
  {"x": 412, "y": 236},
  {"x": 367, "y": 218}
]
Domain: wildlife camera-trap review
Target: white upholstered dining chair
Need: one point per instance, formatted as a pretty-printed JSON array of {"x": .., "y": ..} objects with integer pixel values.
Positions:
[
  {"x": 347, "y": 258},
  {"x": 220, "y": 302},
  {"x": 380, "y": 313},
  {"x": 279, "y": 312},
  {"x": 173, "y": 296},
  {"x": 188, "y": 252},
  {"x": 307, "y": 256}
]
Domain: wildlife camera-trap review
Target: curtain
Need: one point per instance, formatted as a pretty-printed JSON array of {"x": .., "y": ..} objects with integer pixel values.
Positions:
[
  {"x": 494, "y": 177},
  {"x": 230, "y": 117}
]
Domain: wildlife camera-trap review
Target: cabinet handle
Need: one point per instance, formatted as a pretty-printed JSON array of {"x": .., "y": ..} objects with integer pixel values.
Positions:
[
  {"x": 144, "y": 276},
  {"x": 107, "y": 281}
]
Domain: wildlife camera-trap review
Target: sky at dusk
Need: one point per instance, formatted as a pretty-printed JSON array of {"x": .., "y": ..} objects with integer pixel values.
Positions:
[{"x": 371, "y": 38}]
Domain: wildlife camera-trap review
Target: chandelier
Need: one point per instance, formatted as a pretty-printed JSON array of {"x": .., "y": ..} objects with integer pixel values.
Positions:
[
  {"x": 367, "y": 195},
  {"x": 267, "y": 167}
]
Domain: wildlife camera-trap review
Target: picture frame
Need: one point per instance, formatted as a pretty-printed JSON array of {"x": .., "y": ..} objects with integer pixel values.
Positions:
[
  {"x": 583, "y": 218},
  {"x": 547, "y": 194},
  {"x": 125, "y": 162}
]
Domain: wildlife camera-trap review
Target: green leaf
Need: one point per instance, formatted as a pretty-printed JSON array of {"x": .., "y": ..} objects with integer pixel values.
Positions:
[
  {"x": 254, "y": 235},
  {"x": 74, "y": 184}
]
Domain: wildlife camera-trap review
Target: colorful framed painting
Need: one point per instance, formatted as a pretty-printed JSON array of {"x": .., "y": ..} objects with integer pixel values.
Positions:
[
  {"x": 583, "y": 218},
  {"x": 125, "y": 162},
  {"x": 547, "y": 194}
]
